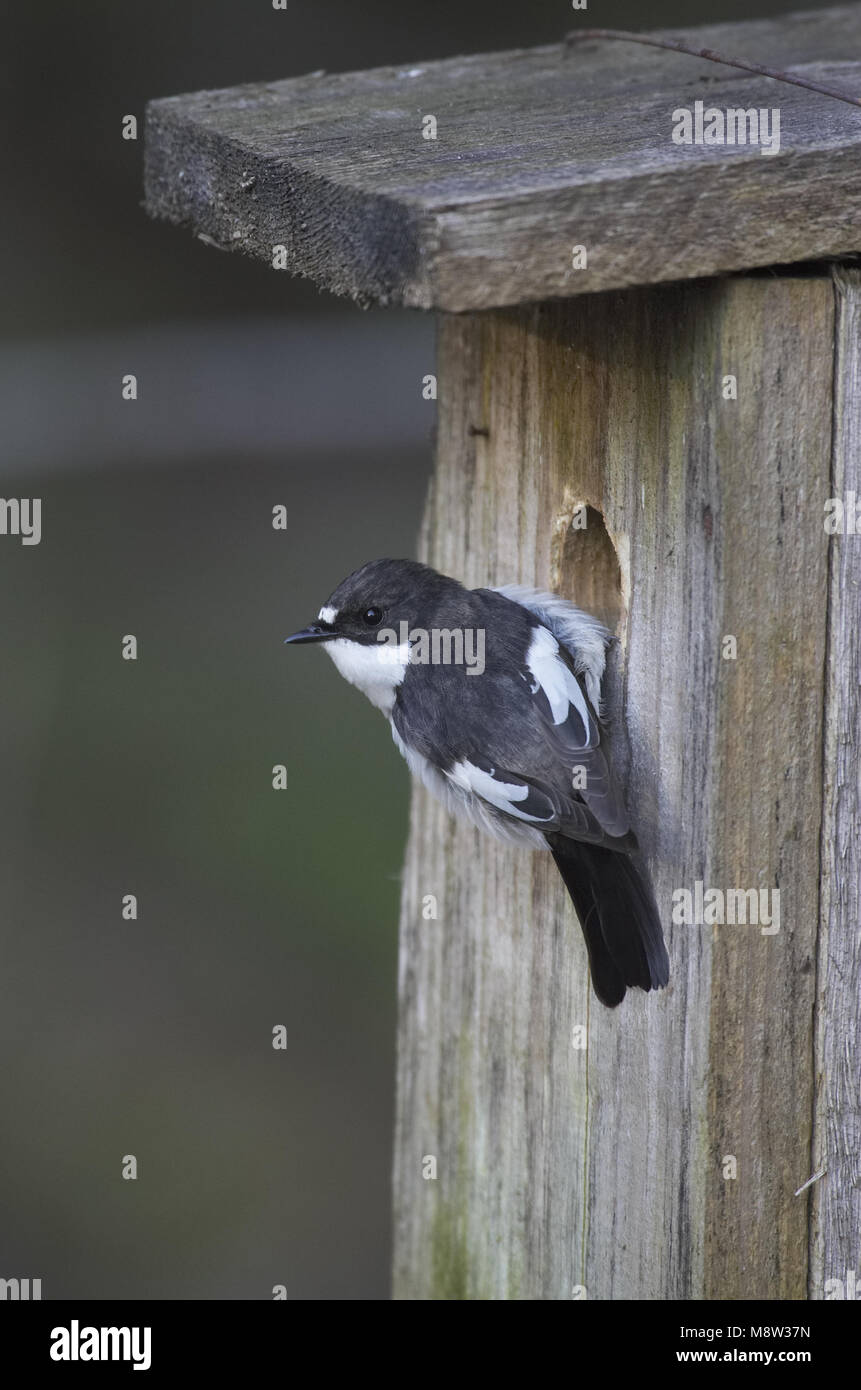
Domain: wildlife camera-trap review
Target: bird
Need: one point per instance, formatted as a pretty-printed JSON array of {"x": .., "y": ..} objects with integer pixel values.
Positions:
[{"x": 494, "y": 699}]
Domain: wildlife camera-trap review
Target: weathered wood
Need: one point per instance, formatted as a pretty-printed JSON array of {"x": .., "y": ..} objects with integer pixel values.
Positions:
[
  {"x": 836, "y": 1245},
  {"x": 602, "y": 1169},
  {"x": 664, "y": 1158},
  {"x": 537, "y": 151}
]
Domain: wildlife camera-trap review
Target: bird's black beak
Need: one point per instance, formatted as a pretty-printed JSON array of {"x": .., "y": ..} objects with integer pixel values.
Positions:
[{"x": 315, "y": 632}]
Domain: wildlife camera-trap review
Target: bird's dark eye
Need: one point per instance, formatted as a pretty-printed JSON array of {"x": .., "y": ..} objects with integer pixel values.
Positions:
[{"x": 372, "y": 617}]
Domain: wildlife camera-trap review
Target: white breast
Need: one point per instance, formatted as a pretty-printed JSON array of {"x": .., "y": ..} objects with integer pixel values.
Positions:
[{"x": 376, "y": 669}]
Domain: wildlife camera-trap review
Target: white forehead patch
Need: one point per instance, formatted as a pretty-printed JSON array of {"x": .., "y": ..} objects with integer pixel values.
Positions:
[{"x": 327, "y": 615}]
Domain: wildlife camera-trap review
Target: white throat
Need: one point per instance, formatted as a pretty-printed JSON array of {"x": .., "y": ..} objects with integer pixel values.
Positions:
[{"x": 376, "y": 668}]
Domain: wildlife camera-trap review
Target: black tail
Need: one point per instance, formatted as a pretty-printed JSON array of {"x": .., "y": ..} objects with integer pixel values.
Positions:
[{"x": 617, "y": 912}]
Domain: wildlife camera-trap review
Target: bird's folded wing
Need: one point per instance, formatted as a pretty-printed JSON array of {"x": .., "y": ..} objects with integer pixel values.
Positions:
[
  {"x": 525, "y": 799},
  {"x": 569, "y": 787},
  {"x": 572, "y": 730}
]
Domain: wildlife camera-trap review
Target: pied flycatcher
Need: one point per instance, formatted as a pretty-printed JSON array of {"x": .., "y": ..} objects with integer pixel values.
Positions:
[{"x": 493, "y": 696}]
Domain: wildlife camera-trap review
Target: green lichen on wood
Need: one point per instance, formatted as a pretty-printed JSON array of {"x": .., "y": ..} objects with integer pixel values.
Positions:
[{"x": 450, "y": 1278}]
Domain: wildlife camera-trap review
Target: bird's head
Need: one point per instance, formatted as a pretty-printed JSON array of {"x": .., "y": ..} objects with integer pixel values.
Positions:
[
  {"x": 377, "y": 598},
  {"x": 366, "y": 623}
]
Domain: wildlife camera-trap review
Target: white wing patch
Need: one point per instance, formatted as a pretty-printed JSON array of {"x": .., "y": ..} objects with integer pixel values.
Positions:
[
  {"x": 502, "y": 795},
  {"x": 556, "y": 680},
  {"x": 582, "y": 635},
  {"x": 460, "y": 800}
]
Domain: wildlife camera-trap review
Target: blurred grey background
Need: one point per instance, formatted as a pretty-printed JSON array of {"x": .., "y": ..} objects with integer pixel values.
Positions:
[{"x": 256, "y": 907}]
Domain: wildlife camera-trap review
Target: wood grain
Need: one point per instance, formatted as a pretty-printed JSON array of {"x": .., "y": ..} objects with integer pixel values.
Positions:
[
  {"x": 537, "y": 151},
  {"x": 836, "y": 1235},
  {"x": 561, "y": 1169}
]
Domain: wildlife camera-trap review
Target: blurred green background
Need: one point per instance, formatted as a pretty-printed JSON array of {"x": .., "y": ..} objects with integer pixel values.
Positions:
[{"x": 256, "y": 907}]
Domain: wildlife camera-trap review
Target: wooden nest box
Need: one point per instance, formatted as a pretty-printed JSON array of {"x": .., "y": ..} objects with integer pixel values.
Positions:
[{"x": 649, "y": 400}]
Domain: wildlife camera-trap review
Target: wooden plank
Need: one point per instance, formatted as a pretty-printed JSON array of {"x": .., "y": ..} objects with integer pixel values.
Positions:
[
  {"x": 537, "y": 151},
  {"x": 836, "y": 1245},
  {"x": 561, "y": 1169}
]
